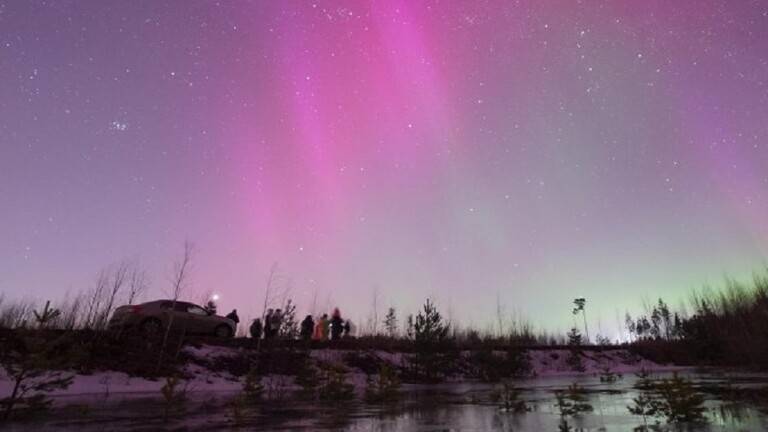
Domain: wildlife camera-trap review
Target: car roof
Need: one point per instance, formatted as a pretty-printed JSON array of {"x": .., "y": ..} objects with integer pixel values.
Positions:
[{"x": 170, "y": 301}]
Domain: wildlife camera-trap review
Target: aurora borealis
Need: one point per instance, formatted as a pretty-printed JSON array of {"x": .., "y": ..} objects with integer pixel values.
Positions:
[{"x": 531, "y": 151}]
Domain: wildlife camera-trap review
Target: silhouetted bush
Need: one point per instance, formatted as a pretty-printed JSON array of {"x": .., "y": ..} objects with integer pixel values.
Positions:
[
  {"x": 574, "y": 359},
  {"x": 281, "y": 361},
  {"x": 674, "y": 399},
  {"x": 434, "y": 357},
  {"x": 34, "y": 364},
  {"x": 383, "y": 387},
  {"x": 490, "y": 366},
  {"x": 727, "y": 328},
  {"x": 333, "y": 386},
  {"x": 572, "y": 401},
  {"x": 508, "y": 398},
  {"x": 366, "y": 361}
]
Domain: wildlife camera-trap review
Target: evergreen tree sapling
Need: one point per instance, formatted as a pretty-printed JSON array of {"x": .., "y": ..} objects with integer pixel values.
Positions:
[
  {"x": 390, "y": 323},
  {"x": 33, "y": 363},
  {"x": 289, "y": 328}
]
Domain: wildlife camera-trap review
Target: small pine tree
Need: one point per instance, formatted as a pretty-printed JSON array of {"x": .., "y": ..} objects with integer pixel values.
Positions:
[
  {"x": 677, "y": 326},
  {"x": 289, "y": 329},
  {"x": 33, "y": 364},
  {"x": 173, "y": 396},
  {"x": 609, "y": 376},
  {"x": 573, "y": 401},
  {"x": 429, "y": 326},
  {"x": 390, "y": 323},
  {"x": 674, "y": 398},
  {"x": 574, "y": 356},
  {"x": 656, "y": 324},
  {"x": 680, "y": 401},
  {"x": 308, "y": 379},
  {"x": 252, "y": 387},
  {"x": 645, "y": 406},
  {"x": 508, "y": 398},
  {"x": 629, "y": 323},
  {"x": 334, "y": 386},
  {"x": 430, "y": 361},
  {"x": 46, "y": 316},
  {"x": 666, "y": 320},
  {"x": 384, "y": 387},
  {"x": 644, "y": 381},
  {"x": 409, "y": 330},
  {"x": 574, "y": 337}
]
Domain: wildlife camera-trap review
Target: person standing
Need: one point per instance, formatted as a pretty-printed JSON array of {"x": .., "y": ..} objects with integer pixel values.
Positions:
[
  {"x": 277, "y": 322},
  {"x": 337, "y": 325},
  {"x": 326, "y": 327},
  {"x": 210, "y": 307},
  {"x": 321, "y": 328},
  {"x": 256, "y": 329},
  {"x": 307, "y": 327},
  {"x": 268, "y": 324},
  {"x": 233, "y": 316}
]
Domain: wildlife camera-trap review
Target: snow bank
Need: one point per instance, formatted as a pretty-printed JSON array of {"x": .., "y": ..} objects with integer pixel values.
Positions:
[
  {"x": 544, "y": 363},
  {"x": 554, "y": 362}
]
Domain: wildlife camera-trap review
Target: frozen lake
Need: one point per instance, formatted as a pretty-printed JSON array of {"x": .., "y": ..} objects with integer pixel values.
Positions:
[
  {"x": 461, "y": 407},
  {"x": 467, "y": 408}
]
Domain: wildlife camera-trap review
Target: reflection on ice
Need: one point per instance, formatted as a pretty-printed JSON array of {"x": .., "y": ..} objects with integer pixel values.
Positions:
[{"x": 525, "y": 405}]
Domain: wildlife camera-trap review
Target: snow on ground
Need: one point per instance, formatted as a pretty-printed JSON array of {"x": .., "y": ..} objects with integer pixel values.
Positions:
[
  {"x": 108, "y": 383},
  {"x": 113, "y": 383},
  {"x": 553, "y": 362},
  {"x": 544, "y": 362},
  {"x": 210, "y": 352},
  {"x": 97, "y": 383}
]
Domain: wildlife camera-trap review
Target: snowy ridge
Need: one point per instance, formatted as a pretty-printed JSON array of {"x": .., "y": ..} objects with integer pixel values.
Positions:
[{"x": 197, "y": 378}]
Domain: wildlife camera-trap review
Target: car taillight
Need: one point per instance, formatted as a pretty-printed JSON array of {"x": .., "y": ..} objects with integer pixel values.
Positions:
[{"x": 135, "y": 309}]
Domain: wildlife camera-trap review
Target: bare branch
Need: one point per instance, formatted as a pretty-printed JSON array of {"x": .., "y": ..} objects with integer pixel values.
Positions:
[
  {"x": 137, "y": 284},
  {"x": 180, "y": 274}
]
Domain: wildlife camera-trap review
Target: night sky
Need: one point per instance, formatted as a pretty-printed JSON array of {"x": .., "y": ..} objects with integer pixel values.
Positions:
[{"x": 528, "y": 151}]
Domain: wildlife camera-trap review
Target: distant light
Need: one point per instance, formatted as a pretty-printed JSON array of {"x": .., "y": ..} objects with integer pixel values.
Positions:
[{"x": 215, "y": 297}]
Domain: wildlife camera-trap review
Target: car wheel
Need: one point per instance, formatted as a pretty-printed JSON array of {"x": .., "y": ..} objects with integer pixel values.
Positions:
[
  {"x": 151, "y": 327},
  {"x": 223, "y": 331}
]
